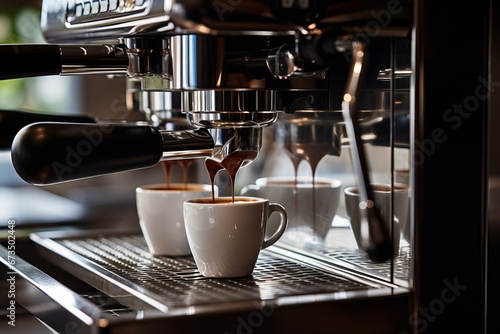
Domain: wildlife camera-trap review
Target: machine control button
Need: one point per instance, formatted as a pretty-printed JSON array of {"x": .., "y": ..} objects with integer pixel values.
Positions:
[
  {"x": 79, "y": 10},
  {"x": 95, "y": 7},
  {"x": 104, "y": 6},
  {"x": 113, "y": 4},
  {"x": 87, "y": 6},
  {"x": 287, "y": 3}
]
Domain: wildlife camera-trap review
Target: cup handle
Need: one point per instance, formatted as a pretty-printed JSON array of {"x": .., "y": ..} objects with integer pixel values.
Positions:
[{"x": 274, "y": 207}]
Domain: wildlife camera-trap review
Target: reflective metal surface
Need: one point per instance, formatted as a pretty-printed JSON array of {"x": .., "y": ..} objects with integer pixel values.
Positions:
[
  {"x": 121, "y": 266},
  {"x": 426, "y": 113},
  {"x": 91, "y": 311},
  {"x": 243, "y": 72},
  {"x": 186, "y": 144},
  {"x": 93, "y": 59}
]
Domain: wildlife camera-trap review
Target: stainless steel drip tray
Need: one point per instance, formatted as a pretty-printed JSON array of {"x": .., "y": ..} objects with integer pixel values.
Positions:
[{"x": 120, "y": 265}]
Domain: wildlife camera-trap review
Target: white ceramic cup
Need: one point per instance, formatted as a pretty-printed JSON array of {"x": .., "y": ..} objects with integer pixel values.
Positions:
[
  {"x": 161, "y": 218},
  {"x": 226, "y": 237},
  {"x": 382, "y": 193},
  {"x": 297, "y": 195}
]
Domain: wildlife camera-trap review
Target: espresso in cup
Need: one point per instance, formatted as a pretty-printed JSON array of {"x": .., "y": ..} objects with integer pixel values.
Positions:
[
  {"x": 224, "y": 200},
  {"x": 226, "y": 235}
]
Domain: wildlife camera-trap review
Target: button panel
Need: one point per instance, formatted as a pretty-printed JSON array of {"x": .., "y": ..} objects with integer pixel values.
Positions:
[{"x": 84, "y": 10}]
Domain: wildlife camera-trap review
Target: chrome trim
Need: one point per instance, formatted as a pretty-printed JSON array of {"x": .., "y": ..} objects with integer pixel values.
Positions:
[
  {"x": 93, "y": 59},
  {"x": 186, "y": 144},
  {"x": 230, "y": 108}
]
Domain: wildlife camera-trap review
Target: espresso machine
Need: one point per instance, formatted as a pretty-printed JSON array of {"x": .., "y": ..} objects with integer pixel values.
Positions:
[{"x": 374, "y": 84}]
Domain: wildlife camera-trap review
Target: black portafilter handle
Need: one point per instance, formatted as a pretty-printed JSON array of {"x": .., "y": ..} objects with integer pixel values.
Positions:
[
  {"x": 21, "y": 61},
  {"x": 11, "y": 121},
  {"x": 49, "y": 153},
  {"x": 33, "y": 60}
]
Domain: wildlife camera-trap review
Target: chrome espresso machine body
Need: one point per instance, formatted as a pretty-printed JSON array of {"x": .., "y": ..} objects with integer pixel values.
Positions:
[{"x": 372, "y": 82}]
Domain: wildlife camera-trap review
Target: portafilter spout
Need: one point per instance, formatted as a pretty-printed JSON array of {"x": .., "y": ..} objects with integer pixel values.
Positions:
[{"x": 228, "y": 141}]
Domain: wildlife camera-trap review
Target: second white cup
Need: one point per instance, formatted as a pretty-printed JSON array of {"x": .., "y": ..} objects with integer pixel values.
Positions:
[{"x": 161, "y": 218}]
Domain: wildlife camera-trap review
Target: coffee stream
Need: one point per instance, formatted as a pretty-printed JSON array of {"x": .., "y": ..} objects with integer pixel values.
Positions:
[
  {"x": 168, "y": 167},
  {"x": 231, "y": 164},
  {"x": 312, "y": 153}
]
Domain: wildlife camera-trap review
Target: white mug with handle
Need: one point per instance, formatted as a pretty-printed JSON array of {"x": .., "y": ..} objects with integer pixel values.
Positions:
[{"x": 226, "y": 237}]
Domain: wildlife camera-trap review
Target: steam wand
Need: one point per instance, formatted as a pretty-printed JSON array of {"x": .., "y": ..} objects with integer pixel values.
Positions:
[{"x": 378, "y": 246}]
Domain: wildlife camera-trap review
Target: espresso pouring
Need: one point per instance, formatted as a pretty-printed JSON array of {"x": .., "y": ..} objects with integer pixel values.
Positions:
[
  {"x": 232, "y": 163},
  {"x": 312, "y": 153}
]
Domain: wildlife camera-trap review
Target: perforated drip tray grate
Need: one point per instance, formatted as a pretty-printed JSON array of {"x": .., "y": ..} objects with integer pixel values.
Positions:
[
  {"x": 358, "y": 259},
  {"x": 121, "y": 266}
]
